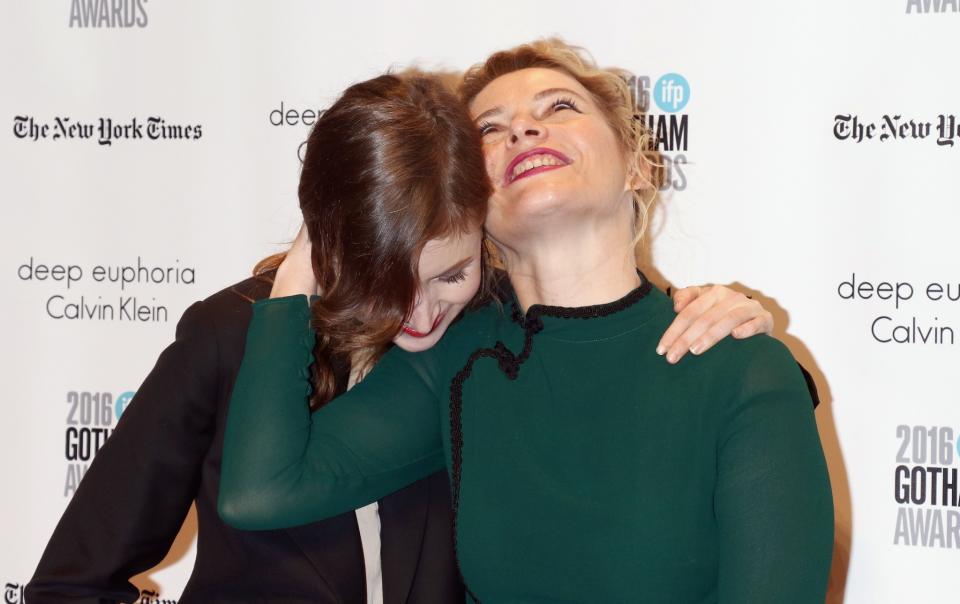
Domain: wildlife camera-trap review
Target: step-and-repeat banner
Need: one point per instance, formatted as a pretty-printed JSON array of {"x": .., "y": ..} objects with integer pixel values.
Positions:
[{"x": 150, "y": 157}]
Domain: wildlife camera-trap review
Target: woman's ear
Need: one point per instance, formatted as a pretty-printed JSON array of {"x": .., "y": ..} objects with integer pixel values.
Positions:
[{"x": 642, "y": 173}]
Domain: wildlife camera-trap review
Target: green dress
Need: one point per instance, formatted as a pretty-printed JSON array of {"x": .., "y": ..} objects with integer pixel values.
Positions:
[{"x": 584, "y": 468}]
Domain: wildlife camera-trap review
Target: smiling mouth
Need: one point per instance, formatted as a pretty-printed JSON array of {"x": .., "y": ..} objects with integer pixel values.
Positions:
[
  {"x": 416, "y": 334},
  {"x": 533, "y": 162}
]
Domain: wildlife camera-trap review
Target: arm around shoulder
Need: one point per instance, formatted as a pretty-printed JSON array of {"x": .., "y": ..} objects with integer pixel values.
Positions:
[{"x": 283, "y": 466}]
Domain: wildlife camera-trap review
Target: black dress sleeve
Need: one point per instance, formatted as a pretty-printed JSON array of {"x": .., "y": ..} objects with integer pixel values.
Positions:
[{"x": 132, "y": 501}]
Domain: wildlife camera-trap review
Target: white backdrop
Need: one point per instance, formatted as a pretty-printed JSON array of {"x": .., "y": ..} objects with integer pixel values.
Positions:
[{"x": 776, "y": 188}]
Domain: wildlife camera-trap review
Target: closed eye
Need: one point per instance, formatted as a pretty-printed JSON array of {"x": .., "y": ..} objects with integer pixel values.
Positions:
[
  {"x": 564, "y": 103},
  {"x": 486, "y": 128},
  {"x": 457, "y": 277}
]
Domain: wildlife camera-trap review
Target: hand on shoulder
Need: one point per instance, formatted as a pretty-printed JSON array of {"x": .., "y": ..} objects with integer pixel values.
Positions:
[{"x": 707, "y": 315}]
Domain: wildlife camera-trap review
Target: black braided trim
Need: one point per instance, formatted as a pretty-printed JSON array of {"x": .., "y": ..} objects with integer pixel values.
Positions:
[
  {"x": 510, "y": 364},
  {"x": 585, "y": 312},
  {"x": 456, "y": 445}
]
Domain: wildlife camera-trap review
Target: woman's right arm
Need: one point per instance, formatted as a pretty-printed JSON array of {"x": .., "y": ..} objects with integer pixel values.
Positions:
[
  {"x": 133, "y": 499},
  {"x": 283, "y": 466}
]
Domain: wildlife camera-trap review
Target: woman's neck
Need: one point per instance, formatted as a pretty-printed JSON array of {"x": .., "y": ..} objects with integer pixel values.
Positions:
[
  {"x": 360, "y": 365},
  {"x": 581, "y": 267}
]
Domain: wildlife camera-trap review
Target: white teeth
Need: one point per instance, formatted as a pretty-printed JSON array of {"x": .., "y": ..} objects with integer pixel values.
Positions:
[{"x": 535, "y": 162}]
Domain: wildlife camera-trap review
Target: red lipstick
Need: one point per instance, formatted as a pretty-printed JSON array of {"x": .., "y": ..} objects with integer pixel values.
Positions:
[
  {"x": 508, "y": 175},
  {"x": 416, "y": 334}
]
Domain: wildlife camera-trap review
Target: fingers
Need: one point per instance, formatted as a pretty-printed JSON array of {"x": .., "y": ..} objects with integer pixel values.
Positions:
[
  {"x": 755, "y": 326},
  {"x": 684, "y": 296},
  {"x": 723, "y": 323},
  {"x": 709, "y": 316},
  {"x": 707, "y": 326},
  {"x": 693, "y": 308}
]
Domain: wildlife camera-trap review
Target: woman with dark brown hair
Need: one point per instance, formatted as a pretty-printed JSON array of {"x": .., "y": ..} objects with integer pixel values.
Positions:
[
  {"x": 378, "y": 189},
  {"x": 583, "y": 467},
  {"x": 393, "y": 192}
]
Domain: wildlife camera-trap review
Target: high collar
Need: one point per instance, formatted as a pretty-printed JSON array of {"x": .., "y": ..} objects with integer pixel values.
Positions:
[{"x": 597, "y": 321}]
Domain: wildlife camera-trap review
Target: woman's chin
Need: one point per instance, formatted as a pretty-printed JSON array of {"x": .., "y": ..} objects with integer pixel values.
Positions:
[
  {"x": 532, "y": 210},
  {"x": 531, "y": 198},
  {"x": 414, "y": 344}
]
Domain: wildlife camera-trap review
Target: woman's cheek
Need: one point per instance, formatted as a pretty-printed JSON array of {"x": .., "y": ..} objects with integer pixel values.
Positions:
[
  {"x": 471, "y": 286},
  {"x": 491, "y": 163}
]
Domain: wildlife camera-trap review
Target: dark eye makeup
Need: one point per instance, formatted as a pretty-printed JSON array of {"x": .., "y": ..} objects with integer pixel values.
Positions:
[
  {"x": 457, "y": 277},
  {"x": 560, "y": 104}
]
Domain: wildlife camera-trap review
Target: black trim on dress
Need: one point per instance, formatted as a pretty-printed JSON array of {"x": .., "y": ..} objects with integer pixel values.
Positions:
[{"x": 510, "y": 364}]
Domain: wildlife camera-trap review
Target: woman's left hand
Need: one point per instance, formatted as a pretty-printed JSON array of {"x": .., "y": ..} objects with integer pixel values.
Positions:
[{"x": 707, "y": 314}]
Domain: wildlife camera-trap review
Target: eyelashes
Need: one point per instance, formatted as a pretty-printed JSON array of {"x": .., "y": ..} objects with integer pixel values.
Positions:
[
  {"x": 457, "y": 277},
  {"x": 564, "y": 103},
  {"x": 560, "y": 104}
]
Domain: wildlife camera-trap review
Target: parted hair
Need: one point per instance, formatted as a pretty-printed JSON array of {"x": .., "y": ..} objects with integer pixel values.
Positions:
[{"x": 392, "y": 164}]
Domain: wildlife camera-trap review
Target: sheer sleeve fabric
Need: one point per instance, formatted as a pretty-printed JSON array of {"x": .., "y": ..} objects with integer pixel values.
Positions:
[
  {"x": 283, "y": 466},
  {"x": 773, "y": 499}
]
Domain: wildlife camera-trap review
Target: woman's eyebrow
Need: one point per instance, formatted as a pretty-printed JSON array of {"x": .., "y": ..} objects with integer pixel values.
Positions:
[
  {"x": 489, "y": 113},
  {"x": 552, "y": 91}
]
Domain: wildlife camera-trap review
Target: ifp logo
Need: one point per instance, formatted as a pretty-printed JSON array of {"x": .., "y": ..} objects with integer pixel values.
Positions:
[
  {"x": 122, "y": 401},
  {"x": 671, "y": 93},
  {"x": 91, "y": 417}
]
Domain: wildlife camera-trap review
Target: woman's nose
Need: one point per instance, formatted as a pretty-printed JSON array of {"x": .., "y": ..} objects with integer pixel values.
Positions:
[
  {"x": 422, "y": 316},
  {"x": 525, "y": 127}
]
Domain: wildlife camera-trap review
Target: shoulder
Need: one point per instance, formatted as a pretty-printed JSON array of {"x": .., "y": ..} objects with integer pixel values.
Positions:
[
  {"x": 757, "y": 368},
  {"x": 477, "y": 327},
  {"x": 240, "y": 295},
  {"x": 235, "y": 299},
  {"x": 761, "y": 354},
  {"x": 226, "y": 313},
  {"x": 480, "y": 318}
]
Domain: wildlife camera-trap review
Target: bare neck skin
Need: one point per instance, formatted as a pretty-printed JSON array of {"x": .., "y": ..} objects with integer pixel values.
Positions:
[
  {"x": 580, "y": 261},
  {"x": 359, "y": 366}
]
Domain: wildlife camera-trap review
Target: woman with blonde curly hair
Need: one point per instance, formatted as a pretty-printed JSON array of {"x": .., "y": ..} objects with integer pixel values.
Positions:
[{"x": 583, "y": 467}]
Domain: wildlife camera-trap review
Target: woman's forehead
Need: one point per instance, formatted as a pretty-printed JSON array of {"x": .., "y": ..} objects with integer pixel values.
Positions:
[
  {"x": 438, "y": 254},
  {"x": 523, "y": 85}
]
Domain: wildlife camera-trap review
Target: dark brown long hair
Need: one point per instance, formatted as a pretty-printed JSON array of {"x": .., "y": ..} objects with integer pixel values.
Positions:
[{"x": 392, "y": 164}]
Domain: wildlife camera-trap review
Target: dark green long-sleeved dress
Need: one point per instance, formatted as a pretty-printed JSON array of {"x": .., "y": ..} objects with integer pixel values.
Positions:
[{"x": 584, "y": 467}]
